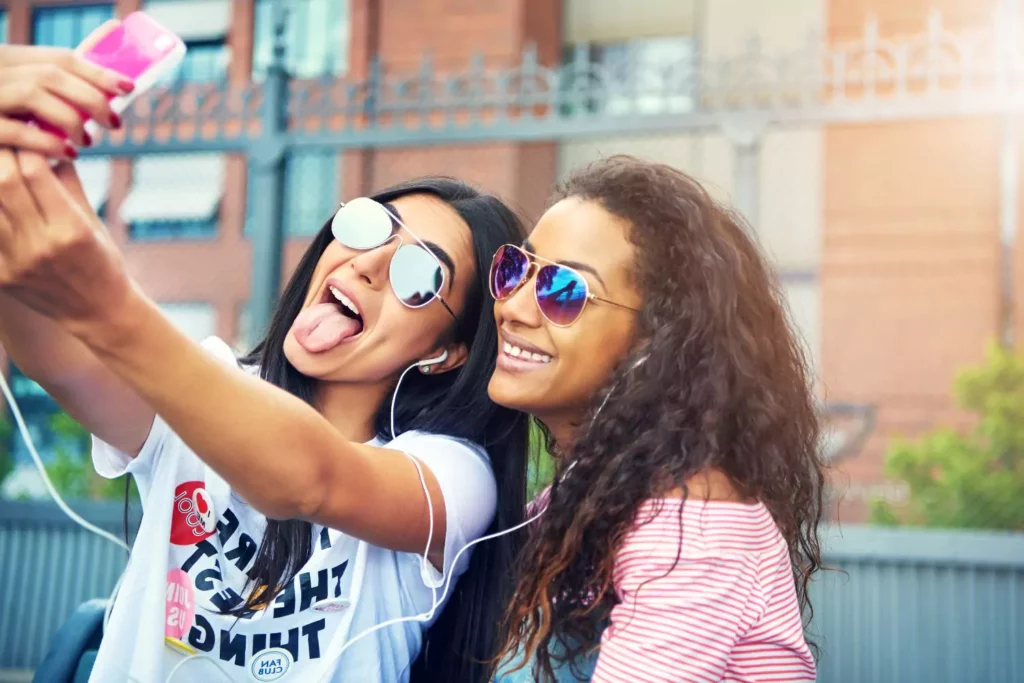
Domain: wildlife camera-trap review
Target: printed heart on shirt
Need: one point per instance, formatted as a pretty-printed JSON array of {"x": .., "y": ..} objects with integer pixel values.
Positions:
[{"x": 193, "y": 518}]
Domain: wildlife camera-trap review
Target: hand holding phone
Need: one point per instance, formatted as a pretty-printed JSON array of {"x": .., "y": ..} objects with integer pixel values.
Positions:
[
  {"x": 52, "y": 99},
  {"x": 139, "y": 49},
  {"x": 53, "y": 85}
]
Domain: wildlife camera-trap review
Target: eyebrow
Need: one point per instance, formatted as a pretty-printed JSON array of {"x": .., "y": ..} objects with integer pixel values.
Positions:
[
  {"x": 571, "y": 264},
  {"x": 442, "y": 256},
  {"x": 434, "y": 248}
]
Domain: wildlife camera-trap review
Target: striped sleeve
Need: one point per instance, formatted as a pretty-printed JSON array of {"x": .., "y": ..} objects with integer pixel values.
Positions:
[
  {"x": 704, "y": 595},
  {"x": 682, "y": 623}
]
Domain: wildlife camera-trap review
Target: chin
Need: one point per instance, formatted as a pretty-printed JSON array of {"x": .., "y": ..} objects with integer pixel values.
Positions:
[
  {"x": 300, "y": 359},
  {"x": 507, "y": 391}
]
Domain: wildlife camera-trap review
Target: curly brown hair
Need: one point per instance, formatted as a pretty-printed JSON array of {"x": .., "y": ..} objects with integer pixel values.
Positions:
[{"x": 723, "y": 385}]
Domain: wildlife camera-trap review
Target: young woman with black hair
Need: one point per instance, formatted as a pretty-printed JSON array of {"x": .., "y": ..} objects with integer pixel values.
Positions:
[{"x": 283, "y": 494}]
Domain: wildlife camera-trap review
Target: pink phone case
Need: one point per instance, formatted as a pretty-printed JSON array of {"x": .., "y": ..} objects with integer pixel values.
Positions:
[{"x": 137, "y": 48}]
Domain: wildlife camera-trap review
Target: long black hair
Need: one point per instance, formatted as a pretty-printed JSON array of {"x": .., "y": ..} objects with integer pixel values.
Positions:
[{"x": 455, "y": 404}]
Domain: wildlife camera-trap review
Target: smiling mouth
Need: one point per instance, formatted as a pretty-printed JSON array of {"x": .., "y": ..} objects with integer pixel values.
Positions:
[{"x": 520, "y": 354}]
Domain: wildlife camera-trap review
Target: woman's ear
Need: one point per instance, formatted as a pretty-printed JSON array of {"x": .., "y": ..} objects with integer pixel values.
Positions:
[{"x": 456, "y": 358}]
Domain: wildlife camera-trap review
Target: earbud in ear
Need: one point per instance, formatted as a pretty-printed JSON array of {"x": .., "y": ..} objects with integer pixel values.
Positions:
[{"x": 425, "y": 364}]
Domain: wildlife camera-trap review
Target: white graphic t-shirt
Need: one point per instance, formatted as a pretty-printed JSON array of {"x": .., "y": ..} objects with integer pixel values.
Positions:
[{"x": 198, "y": 538}]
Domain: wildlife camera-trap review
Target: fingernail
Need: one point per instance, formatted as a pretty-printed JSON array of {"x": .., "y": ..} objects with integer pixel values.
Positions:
[
  {"x": 125, "y": 87},
  {"x": 70, "y": 152},
  {"x": 115, "y": 120},
  {"x": 87, "y": 139}
]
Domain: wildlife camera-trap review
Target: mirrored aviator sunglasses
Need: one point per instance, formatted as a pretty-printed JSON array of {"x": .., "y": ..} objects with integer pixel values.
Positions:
[
  {"x": 417, "y": 276},
  {"x": 561, "y": 292}
]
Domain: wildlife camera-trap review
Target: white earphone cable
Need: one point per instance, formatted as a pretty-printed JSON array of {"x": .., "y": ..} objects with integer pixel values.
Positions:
[
  {"x": 436, "y": 601},
  {"x": 192, "y": 658},
  {"x": 27, "y": 437}
]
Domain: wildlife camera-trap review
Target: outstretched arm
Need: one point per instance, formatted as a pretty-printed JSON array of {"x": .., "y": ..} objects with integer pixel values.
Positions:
[{"x": 279, "y": 453}]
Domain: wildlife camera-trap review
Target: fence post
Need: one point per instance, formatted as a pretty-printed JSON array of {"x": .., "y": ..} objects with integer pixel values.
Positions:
[
  {"x": 746, "y": 144},
  {"x": 267, "y": 156}
]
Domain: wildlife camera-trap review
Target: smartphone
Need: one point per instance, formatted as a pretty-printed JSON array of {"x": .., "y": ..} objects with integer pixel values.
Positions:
[{"x": 136, "y": 47}]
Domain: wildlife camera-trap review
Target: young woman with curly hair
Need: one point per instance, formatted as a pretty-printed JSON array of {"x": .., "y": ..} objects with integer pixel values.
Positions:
[{"x": 642, "y": 328}]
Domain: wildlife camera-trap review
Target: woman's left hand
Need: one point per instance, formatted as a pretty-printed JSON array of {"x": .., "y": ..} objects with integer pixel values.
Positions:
[{"x": 55, "y": 254}]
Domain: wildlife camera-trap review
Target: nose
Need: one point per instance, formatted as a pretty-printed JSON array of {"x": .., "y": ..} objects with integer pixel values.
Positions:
[
  {"x": 520, "y": 309},
  {"x": 372, "y": 266}
]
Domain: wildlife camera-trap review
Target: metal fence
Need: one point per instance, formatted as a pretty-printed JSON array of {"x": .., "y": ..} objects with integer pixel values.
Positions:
[
  {"x": 920, "y": 606},
  {"x": 899, "y": 606},
  {"x": 48, "y": 566},
  {"x": 938, "y": 73}
]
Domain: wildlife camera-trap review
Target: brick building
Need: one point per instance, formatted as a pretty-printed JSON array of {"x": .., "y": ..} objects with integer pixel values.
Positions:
[{"x": 886, "y": 234}]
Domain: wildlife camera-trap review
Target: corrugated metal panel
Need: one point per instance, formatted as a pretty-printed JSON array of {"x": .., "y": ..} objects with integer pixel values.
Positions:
[
  {"x": 909, "y": 605},
  {"x": 48, "y": 566},
  {"x": 901, "y": 606}
]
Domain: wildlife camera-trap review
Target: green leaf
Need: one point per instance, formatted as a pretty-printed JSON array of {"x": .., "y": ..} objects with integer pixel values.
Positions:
[{"x": 973, "y": 479}]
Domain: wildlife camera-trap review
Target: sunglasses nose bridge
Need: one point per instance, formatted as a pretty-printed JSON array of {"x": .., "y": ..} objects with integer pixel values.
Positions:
[
  {"x": 525, "y": 281},
  {"x": 373, "y": 264},
  {"x": 521, "y": 304}
]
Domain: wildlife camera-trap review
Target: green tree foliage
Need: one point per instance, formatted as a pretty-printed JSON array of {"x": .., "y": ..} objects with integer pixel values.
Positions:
[
  {"x": 541, "y": 465},
  {"x": 71, "y": 469},
  {"x": 972, "y": 480}
]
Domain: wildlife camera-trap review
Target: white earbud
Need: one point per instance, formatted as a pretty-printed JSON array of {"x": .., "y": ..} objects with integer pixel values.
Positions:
[{"x": 424, "y": 365}]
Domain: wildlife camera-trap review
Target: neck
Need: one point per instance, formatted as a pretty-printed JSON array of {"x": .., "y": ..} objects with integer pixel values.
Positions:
[
  {"x": 352, "y": 408},
  {"x": 564, "y": 429}
]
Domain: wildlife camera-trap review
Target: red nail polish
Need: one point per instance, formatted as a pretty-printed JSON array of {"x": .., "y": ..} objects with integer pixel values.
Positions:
[
  {"x": 87, "y": 139},
  {"x": 115, "y": 120},
  {"x": 125, "y": 87},
  {"x": 70, "y": 152}
]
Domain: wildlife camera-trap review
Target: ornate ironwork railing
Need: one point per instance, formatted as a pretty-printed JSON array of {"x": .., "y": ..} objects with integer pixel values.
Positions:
[{"x": 938, "y": 72}]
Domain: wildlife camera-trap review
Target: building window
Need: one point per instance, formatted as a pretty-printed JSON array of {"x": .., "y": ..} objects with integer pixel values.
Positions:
[
  {"x": 311, "y": 182},
  {"x": 94, "y": 174},
  {"x": 197, "y": 319},
  {"x": 67, "y": 26},
  {"x": 206, "y": 61},
  {"x": 243, "y": 342},
  {"x": 316, "y": 40},
  {"x": 207, "y": 57},
  {"x": 643, "y": 75},
  {"x": 174, "y": 197},
  {"x": 168, "y": 229}
]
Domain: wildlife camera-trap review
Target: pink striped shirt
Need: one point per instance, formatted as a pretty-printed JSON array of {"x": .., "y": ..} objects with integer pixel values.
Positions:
[{"x": 726, "y": 611}]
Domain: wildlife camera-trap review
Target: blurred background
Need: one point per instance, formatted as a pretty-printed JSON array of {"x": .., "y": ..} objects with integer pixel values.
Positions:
[{"x": 873, "y": 145}]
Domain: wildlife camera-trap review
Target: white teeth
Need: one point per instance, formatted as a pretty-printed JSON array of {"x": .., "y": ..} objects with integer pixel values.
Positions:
[
  {"x": 517, "y": 352},
  {"x": 344, "y": 300}
]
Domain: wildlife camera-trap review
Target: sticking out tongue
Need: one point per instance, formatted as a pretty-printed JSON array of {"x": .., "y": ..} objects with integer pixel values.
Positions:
[{"x": 323, "y": 326}]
